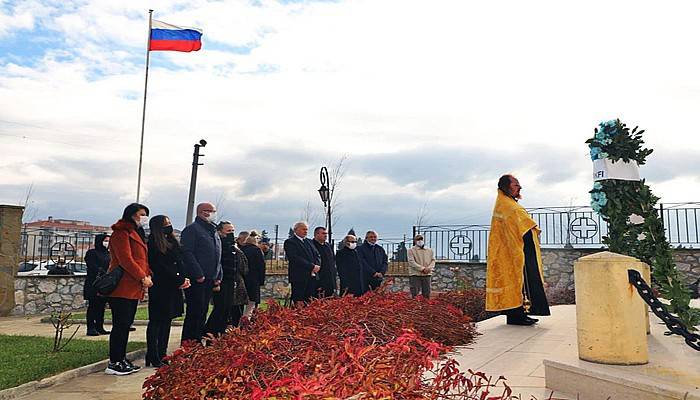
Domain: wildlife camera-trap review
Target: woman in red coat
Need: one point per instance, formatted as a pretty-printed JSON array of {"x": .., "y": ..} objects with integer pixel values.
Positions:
[{"x": 128, "y": 250}]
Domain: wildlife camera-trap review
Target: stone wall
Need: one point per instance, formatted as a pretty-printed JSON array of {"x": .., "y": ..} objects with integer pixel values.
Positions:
[
  {"x": 444, "y": 278},
  {"x": 10, "y": 228},
  {"x": 44, "y": 294}
]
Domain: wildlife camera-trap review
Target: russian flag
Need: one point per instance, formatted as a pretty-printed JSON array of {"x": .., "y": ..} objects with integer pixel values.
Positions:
[{"x": 174, "y": 38}]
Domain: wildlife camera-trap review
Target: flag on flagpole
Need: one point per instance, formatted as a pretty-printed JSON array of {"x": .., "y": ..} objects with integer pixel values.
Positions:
[{"x": 169, "y": 37}]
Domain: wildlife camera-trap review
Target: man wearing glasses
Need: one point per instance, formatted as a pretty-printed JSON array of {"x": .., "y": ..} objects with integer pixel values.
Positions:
[{"x": 201, "y": 251}]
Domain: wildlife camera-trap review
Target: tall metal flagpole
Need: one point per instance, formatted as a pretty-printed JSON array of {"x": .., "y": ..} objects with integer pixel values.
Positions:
[{"x": 145, "y": 91}]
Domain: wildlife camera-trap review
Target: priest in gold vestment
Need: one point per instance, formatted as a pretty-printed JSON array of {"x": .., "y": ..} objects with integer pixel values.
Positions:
[{"x": 514, "y": 279}]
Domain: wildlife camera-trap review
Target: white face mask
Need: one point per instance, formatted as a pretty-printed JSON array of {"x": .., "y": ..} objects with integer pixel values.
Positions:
[
  {"x": 105, "y": 244},
  {"x": 143, "y": 220},
  {"x": 420, "y": 243},
  {"x": 212, "y": 217},
  {"x": 352, "y": 246}
]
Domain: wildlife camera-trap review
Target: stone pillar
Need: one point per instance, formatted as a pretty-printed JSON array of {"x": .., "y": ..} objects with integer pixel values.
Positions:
[
  {"x": 10, "y": 242},
  {"x": 610, "y": 314}
]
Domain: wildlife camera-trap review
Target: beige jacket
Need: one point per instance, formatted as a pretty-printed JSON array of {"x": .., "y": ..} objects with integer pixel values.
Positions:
[{"x": 420, "y": 258}]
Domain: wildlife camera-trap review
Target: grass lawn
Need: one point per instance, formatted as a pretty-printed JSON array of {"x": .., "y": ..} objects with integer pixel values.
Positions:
[
  {"x": 27, "y": 358},
  {"x": 142, "y": 313}
]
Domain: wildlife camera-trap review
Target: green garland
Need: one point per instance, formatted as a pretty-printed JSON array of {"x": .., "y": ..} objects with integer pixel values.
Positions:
[{"x": 634, "y": 225}]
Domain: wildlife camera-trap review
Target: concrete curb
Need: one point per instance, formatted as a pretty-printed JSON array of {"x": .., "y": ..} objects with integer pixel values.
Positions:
[
  {"x": 29, "y": 387},
  {"x": 138, "y": 322}
]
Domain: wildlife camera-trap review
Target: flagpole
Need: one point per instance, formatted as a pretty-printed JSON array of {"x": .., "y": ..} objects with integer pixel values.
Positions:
[{"x": 145, "y": 91}]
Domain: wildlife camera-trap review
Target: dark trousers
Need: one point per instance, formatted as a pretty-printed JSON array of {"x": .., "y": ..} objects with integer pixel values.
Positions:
[
  {"x": 420, "y": 284},
  {"x": 123, "y": 312},
  {"x": 374, "y": 283},
  {"x": 197, "y": 298},
  {"x": 221, "y": 313},
  {"x": 515, "y": 314},
  {"x": 302, "y": 291},
  {"x": 96, "y": 313},
  {"x": 157, "y": 336}
]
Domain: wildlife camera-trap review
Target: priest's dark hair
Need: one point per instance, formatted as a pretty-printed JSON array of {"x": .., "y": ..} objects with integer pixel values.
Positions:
[{"x": 504, "y": 183}]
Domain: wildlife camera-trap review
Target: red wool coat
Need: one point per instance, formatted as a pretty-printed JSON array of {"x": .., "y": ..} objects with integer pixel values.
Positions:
[{"x": 128, "y": 250}]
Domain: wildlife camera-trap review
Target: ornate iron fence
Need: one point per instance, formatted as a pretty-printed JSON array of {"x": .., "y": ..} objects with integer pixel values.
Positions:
[{"x": 573, "y": 227}]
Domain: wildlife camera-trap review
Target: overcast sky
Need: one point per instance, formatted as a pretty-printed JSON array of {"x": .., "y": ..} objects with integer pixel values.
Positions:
[{"x": 431, "y": 101}]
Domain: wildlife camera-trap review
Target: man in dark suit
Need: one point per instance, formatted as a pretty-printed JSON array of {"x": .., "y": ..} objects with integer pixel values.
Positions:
[
  {"x": 201, "y": 252},
  {"x": 374, "y": 260},
  {"x": 327, "y": 281},
  {"x": 304, "y": 263}
]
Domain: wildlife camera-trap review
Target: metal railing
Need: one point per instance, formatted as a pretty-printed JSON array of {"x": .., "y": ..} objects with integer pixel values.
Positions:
[
  {"x": 456, "y": 242},
  {"x": 41, "y": 249},
  {"x": 681, "y": 223},
  {"x": 568, "y": 227}
]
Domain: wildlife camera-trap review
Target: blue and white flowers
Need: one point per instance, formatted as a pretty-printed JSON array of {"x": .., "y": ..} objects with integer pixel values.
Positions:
[
  {"x": 598, "y": 201},
  {"x": 603, "y": 137}
]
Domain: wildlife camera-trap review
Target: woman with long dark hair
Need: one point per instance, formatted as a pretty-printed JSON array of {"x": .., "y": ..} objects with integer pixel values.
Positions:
[
  {"x": 165, "y": 300},
  {"x": 128, "y": 250}
]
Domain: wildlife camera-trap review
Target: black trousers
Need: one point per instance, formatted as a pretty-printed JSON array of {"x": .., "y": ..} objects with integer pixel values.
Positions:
[
  {"x": 123, "y": 312},
  {"x": 374, "y": 283},
  {"x": 221, "y": 313},
  {"x": 534, "y": 287},
  {"x": 197, "y": 298},
  {"x": 96, "y": 313},
  {"x": 157, "y": 336}
]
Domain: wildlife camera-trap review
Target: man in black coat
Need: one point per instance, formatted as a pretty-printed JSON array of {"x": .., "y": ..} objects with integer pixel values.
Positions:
[
  {"x": 374, "y": 260},
  {"x": 97, "y": 261},
  {"x": 328, "y": 274},
  {"x": 304, "y": 264},
  {"x": 201, "y": 251}
]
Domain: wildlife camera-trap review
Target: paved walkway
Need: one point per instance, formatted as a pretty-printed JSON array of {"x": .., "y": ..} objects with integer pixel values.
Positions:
[
  {"x": 512, "y": 351},
  {"x": 97, "y": 386},
  {"x": 516, "y": 352}
]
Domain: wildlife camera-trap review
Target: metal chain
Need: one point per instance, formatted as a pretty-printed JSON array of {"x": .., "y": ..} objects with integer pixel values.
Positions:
[{"x": 674, "y": 325}]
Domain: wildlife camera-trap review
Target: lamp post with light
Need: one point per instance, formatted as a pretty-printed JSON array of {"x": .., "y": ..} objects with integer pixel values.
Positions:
[
  {"x": 325, "y": 192},
  {"x": 193, "y": 180}
]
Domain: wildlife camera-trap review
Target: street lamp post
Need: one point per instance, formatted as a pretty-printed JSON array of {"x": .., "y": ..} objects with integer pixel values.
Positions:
[
  {"x": 193, "y": 180},
  {"x": 325, "y": 192}
]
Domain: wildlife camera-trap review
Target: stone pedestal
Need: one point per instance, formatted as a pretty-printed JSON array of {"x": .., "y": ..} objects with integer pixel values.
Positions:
[
  {"x": 10, "y": 241},
  {"x": 610, "y": 314}
]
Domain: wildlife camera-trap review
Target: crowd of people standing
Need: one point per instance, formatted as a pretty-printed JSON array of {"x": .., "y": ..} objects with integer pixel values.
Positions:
[{"x": 210, "y": 264}]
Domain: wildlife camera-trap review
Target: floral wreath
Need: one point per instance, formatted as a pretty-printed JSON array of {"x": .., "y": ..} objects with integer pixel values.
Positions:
[{"x": 629, "y": 208}]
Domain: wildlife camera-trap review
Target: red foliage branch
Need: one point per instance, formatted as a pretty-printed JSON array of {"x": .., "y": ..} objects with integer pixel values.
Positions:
[{"x": 381, "y": 345}]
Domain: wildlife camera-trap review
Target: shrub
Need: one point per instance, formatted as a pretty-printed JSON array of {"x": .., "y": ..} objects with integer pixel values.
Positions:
[
  {"x": 381, "y": 345},
  {"x": 558, "y": 296},
  {"x": 472, "y": 302}
]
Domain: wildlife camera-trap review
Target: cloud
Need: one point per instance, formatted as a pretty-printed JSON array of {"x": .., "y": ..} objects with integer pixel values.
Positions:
[{"x": 432, "y": 103}]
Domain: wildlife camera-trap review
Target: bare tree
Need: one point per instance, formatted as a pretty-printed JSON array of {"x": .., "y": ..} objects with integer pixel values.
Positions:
[
  {"x": 220, "y": 204},
  {"x": 30, "y": 210},
  {"x": 422, "y": 214},
  {"x": 335, "y": 176},
  {"x": 310, "y": 214}
]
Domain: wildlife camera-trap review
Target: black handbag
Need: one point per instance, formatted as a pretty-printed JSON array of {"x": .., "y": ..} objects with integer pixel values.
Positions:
[{"x": 107, "y": 282}]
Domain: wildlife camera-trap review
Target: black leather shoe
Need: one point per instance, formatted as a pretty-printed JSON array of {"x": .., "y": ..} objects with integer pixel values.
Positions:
[
  {"x": 534, "y": 320},
  {"x": 102, "y": 331},
  {"x": 520, "y": 321},
  {"x": 131, "y": 329},
  {"x": 93, "y": 332}
]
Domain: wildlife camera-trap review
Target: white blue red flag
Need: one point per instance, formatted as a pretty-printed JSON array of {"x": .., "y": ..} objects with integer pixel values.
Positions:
[{"x": 169, "y": 37}]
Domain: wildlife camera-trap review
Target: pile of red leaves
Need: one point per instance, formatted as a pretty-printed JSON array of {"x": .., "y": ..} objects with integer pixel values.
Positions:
[
  {"x": 472, "y": 302},
  {"x": 381, "y": 345}
]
